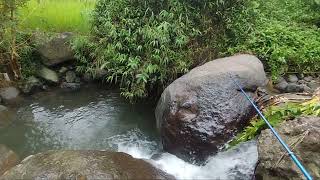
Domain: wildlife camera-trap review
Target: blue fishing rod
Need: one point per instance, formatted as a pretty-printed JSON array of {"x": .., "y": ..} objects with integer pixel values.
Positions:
[{"x": 291, "y": 154}]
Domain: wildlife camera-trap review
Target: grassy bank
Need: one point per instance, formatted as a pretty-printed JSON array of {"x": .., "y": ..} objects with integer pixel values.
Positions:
[{"x": 56, "y": 15}]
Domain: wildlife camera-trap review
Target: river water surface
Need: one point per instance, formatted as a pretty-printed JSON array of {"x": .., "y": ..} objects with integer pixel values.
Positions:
[{"x": 99, "y": 119}]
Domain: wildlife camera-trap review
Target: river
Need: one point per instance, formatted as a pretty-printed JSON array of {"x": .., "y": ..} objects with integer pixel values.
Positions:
[{"x": 98, "y": 118}]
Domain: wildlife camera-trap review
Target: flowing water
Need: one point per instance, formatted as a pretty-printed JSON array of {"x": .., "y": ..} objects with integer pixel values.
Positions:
[{"x": 95, "y": 118}]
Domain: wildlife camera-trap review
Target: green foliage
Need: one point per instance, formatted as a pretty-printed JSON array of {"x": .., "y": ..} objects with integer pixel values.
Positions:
[
  {"x": 57, "y": 15},
  {"x": 276, "y": 115},
  {"x": 286, "y": 35},
  {"x": 143, "y": 45}
]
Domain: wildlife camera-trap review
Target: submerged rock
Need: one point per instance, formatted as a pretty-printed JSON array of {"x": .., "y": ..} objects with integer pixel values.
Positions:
[
  {"x": 199, "y": 112},
  {"x": 31, "y": 84},
  {"x": 84, "y": 164},
  {"x": 71, "y": 77},
  {"x": 5, "y": 116},
  {"x": 70, "y": 86},
  {"x": 302, "y": 135},
  {"x": 48, "y": 74},
  {"x": 8, "y": 159},
  {"x": 57, "y": 50},
  {"x": 9, "y": 95}
]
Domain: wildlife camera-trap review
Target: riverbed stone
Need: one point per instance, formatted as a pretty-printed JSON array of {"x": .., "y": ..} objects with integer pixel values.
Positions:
[
  {"x": 57, "y": 50},
  {"x": 302, "y": 135},
  {"x": 84, "y": 164},
  {"x": 31, "y": 84},
  {"x": 70, "y": 86},
  {"x": 48, "y": 75},
  {"x": 199, "y": 112},
  {"x": 314, "y": 84},
  {"x": 9, "y": 95},
  {"x": 292, "y": 78},
  {"x": 71, "y": 77},
  {"x": 8, "y": 159},
  {"x": 308, "y": 78},
  {"x": 281, "y": 85},
  {"x": 293, "y": 87}
]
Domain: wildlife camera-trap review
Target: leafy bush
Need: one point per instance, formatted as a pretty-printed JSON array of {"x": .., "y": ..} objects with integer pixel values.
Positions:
[
  {"x": 143, "y": 45},
  {"x": 276, "y": 115},
  {"x": 286, "y": 36}
]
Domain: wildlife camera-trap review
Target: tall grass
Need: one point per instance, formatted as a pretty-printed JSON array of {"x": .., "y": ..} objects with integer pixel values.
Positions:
[{"x": 57, "y": 15}]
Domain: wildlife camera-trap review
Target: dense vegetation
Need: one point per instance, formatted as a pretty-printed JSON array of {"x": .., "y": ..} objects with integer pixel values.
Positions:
[
  {"x": 276, "y": 115},
  {"x": 286, "y": 35},
  {"x": 145, "y": 45}
]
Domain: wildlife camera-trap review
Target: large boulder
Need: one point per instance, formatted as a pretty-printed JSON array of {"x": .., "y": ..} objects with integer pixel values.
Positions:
[
  {"x": 57, "y": 50},
  {"x": 84, "y": 164},
  {"x": 199, "y": 112},
  {"x": 8, "y": 159},
  {"x": 302, "y": 135}
]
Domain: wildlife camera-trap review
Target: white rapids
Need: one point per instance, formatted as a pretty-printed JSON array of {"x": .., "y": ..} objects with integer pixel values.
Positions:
[{"x": 237, "y": 163}]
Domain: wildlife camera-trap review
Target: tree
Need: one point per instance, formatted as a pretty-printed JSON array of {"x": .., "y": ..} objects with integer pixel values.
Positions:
[{"x": 8, "y": 26}]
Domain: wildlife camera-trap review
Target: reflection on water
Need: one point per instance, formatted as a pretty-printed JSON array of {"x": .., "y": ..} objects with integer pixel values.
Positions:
[{"x": 75, "y": 120}]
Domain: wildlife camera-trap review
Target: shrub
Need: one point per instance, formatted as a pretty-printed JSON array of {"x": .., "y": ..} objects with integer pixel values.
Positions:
[
  {"x": 144, "y": 45},
  {"x": 286, "y": 36}
]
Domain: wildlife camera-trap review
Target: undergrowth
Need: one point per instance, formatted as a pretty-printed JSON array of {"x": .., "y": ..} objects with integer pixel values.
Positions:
[{"x": 276, "y": 115}]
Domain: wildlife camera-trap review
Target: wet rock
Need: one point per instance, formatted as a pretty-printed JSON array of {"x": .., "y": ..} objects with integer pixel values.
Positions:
[
  {"x": 314, "y": 84},
  {"x": 87, "y": 77},
  {"x": 57, "y": 50},
  {"x": 8, "y": 159},
  {"x": 70, "y": 86},
  {"x": 292, "y": 78},
  {"x": 9, "y": 95},
  {"x": 308, "y": 78},
  {"x": 63, "y": 70},
  {"x": 199, "y": 112},
  {"x": 48, "y": 75},
  {"x": 71, "y": 77},
  {"x": 5, "y": 116},
  {"x": 307, "y": 88},
  {"x": 31, "y": 85},
  {"x": 100, "y": 74},
  {"x": 304, "y": 133},
  {"x": 281, "y": 85},
  {"x": 84, "y": 165},
  {"x": 292, "y": 87}
]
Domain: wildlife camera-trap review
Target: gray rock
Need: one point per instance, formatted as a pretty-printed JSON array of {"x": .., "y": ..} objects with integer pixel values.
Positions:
[
  {"x": 70, "y": 86},
  {"x": 48, "y": 75},
  {"x": 8, "y": 159},
  {"x": 87, "y": 77},
  {"x": 63, "y": 70},
  {"x": 100, "y": 73},
  {"x": 281, "y": 85},
  {"x": 308, "y": 78},
  {"x": 84, "y": 164},
  {"x": 292, "y": 87},
  {"x": 5, "y": 116},
  {"x": 292, "y": 78},
  {"x": 71, "y": 77},
  {"x": 314, "y": 84},
  {"x": 306, "y": 129},
  {"x": 9, "y": 94},
  {"x": 31, "y": 84},
  {"x": 199, "y": 112},
  {"x": 307, "y": 88},
  {"x": 57, "y": 50}
]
